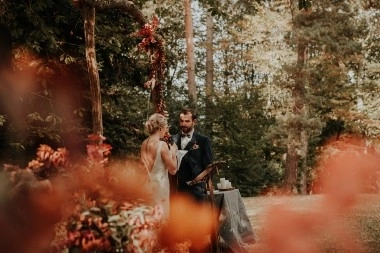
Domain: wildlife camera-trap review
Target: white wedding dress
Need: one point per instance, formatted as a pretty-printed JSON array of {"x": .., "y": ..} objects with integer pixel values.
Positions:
[{"x": 160, "y": 183}]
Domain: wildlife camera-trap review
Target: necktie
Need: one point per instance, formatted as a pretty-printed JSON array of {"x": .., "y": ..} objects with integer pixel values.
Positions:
[{"x": 185, "y": 135}]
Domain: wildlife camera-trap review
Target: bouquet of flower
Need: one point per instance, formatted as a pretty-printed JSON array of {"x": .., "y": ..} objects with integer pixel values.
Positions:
[
  {"x": 77, "y": 203},
  {"x": 112, "y": 227}
]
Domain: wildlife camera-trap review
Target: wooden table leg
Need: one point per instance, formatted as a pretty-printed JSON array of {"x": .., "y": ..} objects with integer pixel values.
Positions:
[{"x": 215, "y": 228}]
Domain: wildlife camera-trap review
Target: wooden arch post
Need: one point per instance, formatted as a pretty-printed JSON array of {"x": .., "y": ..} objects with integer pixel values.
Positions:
[{"x": 152, "y": 43}]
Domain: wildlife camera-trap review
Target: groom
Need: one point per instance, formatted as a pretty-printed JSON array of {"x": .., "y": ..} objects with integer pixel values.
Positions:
[{"x": 198, "y": 156}]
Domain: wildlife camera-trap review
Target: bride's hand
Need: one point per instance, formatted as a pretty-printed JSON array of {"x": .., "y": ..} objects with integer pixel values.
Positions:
[{"x": 173, "y": 149}]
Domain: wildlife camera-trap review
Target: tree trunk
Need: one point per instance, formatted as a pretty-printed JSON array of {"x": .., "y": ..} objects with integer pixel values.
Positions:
[
  {"x": 291, "y": 171},
  {"x": 209, "y": 55},
  {"x": 192, "y": 89},
  {"x": 296, "y": 144},
  {"x": 209, "y": 68},
  {"x": 129, "y": 7},
  {"x": 304, "y": 170},
  {"x": 92, "y": 68}
]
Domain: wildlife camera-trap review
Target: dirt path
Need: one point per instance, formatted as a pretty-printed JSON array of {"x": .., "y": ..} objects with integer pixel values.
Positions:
[
  {"x": 361, "y": 219},
  {"x": 257, "y": 207}
]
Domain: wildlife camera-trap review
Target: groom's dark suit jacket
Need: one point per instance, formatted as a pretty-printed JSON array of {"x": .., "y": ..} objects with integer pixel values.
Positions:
[{"x": 198, "y": 157}]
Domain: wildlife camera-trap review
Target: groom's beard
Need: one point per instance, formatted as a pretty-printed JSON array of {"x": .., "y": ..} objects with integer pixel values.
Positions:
[{"x": 186, "y": 130}]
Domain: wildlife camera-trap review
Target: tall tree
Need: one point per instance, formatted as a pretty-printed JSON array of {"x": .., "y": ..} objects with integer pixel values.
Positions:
[
  {"x": 297, "y": 136},
  {"x": 366, "y": 77},
  {"x": 157, "y": 70},
  {"x": 43, "y": 110},
  {"x": 321, "y": 89},
  {"x": 189, "y": 34},
  {"x": 209, "y": 65},
  {"x": 92, "y": 68}
]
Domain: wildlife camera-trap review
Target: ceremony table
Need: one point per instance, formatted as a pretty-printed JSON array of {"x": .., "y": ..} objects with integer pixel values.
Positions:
[{"x": 234, "y": 228}]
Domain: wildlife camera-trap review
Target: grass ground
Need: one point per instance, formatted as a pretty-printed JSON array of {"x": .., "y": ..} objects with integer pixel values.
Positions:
[{"x": 307, "y": 224}]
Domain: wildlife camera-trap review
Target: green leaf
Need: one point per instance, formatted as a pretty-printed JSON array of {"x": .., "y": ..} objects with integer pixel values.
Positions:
[
  {"x": 34, "y": 117},
  {"x": 51, "y": 119},
  {"x": 2, "y": 120},
  {"x": 114, "y": 218},
  {"x": 301, "y": 4},
  {"x": 121, "y": 223},
  {"x": 307, "y": 4},
  {"x": 95, "y": 210}
]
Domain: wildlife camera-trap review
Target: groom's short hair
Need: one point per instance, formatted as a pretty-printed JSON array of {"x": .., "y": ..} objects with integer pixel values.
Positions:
[{"x": 186, "y": 111}]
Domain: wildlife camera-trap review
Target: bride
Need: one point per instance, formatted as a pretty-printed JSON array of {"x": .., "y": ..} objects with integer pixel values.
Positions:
[{"x": 159, "y": 159}]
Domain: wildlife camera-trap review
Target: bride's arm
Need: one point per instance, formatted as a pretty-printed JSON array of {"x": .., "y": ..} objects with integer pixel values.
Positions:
[{"x": 169, "y": 158}]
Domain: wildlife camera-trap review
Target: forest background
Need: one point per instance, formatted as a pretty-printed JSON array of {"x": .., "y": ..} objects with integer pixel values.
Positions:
[{"x": 284, "y": 77}]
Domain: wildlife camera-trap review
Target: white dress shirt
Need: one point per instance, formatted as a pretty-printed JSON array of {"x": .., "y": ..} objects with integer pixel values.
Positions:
[{"x": 185, "y": 139}]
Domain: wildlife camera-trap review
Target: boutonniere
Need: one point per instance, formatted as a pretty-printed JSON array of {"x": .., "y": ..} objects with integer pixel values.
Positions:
[{"x": 195, "y": 146}]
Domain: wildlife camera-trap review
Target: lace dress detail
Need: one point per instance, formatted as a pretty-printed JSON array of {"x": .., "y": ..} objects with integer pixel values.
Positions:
[{"x": 160, "y": 183}]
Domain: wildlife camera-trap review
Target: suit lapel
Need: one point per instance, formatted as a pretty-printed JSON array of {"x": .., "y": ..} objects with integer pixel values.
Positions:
[{"x": 191, "y": 142}]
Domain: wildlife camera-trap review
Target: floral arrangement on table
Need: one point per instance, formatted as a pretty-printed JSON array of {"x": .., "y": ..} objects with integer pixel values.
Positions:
[{"x": 76, "y": 207}]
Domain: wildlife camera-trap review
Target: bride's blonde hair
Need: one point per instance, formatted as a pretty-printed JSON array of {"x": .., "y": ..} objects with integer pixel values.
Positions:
[{"x": 155, "y": 122}]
